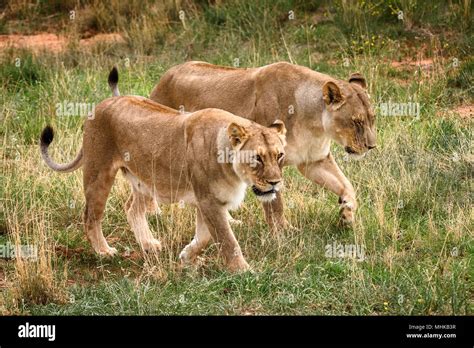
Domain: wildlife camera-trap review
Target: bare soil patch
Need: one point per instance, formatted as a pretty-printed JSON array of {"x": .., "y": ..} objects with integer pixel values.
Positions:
[
  {"x": 52, "y": 42},
  {"x": 425, "y": 64},
  {"x": 465, "y": 111}
]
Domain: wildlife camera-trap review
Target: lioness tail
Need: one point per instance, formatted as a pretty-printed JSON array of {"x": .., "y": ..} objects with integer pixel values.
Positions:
[
  {"x": 47, "y": 136},
  {"x": 113, "y": 81}
]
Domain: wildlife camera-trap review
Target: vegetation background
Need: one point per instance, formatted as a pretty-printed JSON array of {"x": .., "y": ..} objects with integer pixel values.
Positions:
[{"x": 415, "y": 191}]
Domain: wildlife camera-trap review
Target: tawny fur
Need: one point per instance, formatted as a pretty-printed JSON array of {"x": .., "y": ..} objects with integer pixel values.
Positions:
[
  {"x": 315, "y": 108},
  {"x": 171, "y": 157}
]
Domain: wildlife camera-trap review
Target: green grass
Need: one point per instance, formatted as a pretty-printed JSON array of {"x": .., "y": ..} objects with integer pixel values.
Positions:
[{"x": 415, "y": 190}]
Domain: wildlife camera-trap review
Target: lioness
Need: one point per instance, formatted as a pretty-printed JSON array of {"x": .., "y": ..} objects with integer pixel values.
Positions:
[
  {"x": 171, "y": 157},
  {"x": 315, "y": 108}
]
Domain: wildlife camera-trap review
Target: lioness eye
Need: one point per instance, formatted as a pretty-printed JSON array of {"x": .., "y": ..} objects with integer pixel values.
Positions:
[{"x": 280, "y": 156}]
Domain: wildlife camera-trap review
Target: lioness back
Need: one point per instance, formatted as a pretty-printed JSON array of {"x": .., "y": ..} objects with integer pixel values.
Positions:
[{"x": 236, "y": 88}]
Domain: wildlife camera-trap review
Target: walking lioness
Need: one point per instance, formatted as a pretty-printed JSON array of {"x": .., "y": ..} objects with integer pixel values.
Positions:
[
  {"x": 315, "y": 108},
  {"x": 171, "y": 157}
]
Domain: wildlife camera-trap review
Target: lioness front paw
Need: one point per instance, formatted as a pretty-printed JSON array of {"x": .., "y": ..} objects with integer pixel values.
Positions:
[
  {"x": 153, "y": 246},
  {"x": 347, "y": 217},
  {"x": 187, "y": 256},
  {"x": 107, "y": 252},
  {"x": 238, "y": 265},
  {"x": 347, "y": 211}
]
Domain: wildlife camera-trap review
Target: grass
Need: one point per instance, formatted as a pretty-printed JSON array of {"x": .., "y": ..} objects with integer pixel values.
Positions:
[{"x": 415, "y": 191}]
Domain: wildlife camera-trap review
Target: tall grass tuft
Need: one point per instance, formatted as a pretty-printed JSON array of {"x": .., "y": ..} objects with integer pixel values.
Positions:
[{"x": 35, "y": 280}]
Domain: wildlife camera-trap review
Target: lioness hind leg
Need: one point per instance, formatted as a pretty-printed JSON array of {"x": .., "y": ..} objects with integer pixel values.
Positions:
[
  {"x": 136, "y": 207},
  {"x": 97, "y": 188},
  {"x": 200, "y": 241}
]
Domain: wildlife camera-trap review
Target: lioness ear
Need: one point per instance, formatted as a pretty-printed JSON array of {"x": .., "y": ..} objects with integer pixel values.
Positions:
[
  {"x": 332, "y": 93},
  {"x": 237, "y": 134},
  {"x": 358, "y": 79},
  {"x": 279, "y": 126}
]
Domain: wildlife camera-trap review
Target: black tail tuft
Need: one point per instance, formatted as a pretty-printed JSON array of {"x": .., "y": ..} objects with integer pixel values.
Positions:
[
  {"x": 47, "y": 136},
  {"x": 113, "y": 77}
]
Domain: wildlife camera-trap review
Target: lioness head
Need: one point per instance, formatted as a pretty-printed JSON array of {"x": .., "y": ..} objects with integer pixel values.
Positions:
[
  {"x": 350, "y": 119},
  {"x": 259, "y": 156}
]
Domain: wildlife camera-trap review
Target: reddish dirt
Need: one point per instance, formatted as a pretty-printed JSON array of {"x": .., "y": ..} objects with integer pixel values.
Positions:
[
  {"x": 52, "y": 42},
  {"x": 102, "y": 38},
  {"x": 465, "y": 111},
  {"x": 423, "y": 63},
  {"x": 38, "y": 42}
]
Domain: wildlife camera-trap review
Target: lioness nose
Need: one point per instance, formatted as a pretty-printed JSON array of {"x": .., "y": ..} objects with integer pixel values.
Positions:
[
  {"x": 273, "y": 182},
  {"x": 349, "y": 149}
]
